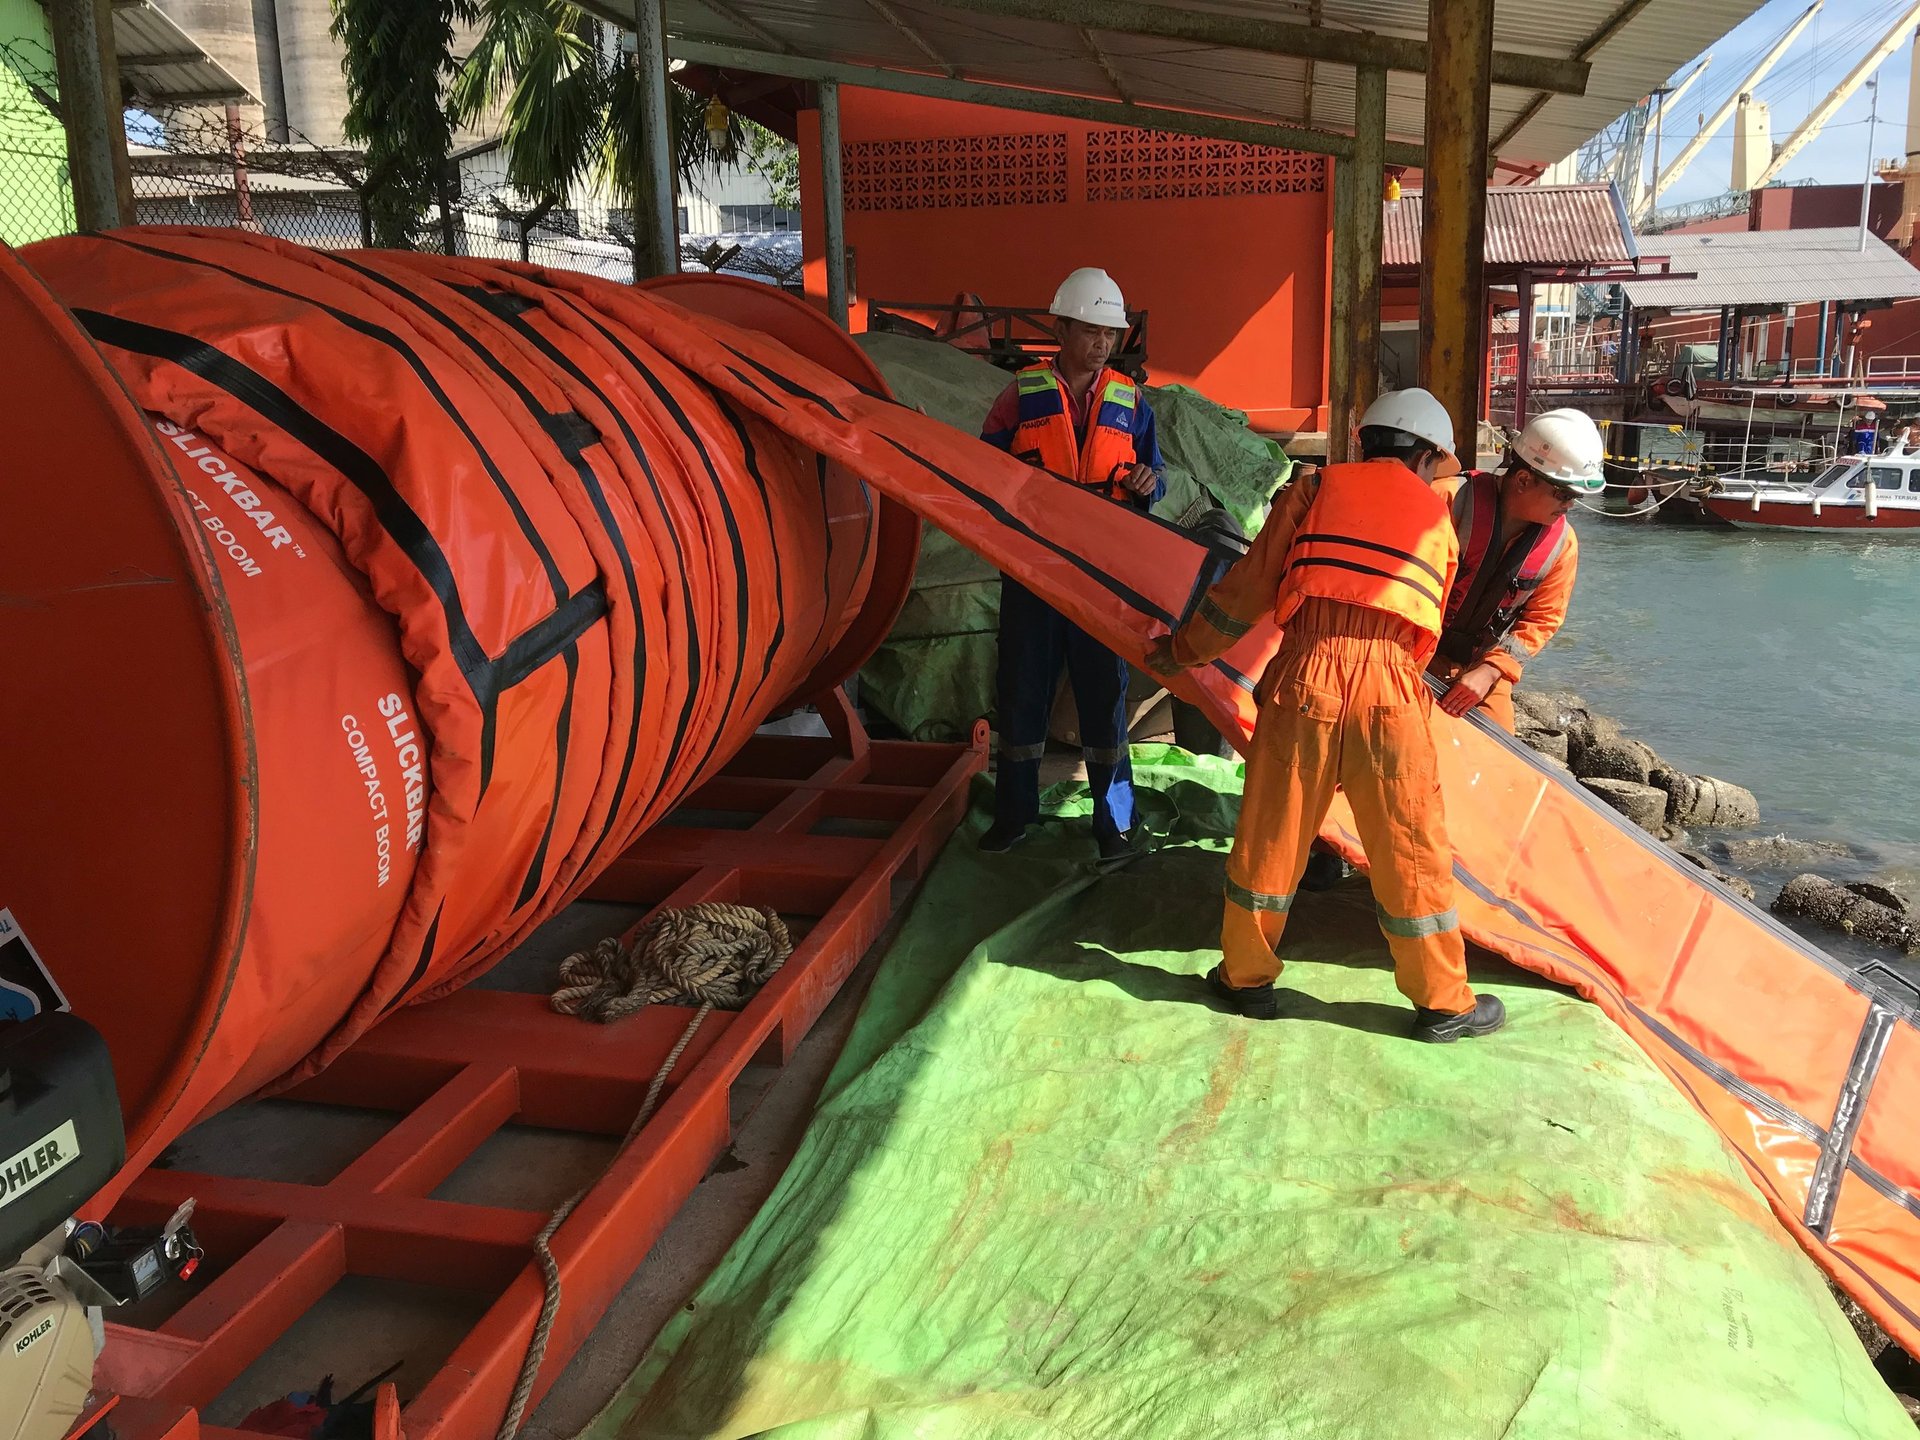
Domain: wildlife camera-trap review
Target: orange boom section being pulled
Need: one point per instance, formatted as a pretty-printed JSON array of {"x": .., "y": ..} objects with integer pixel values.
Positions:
[{"x": 469, "y": 586}]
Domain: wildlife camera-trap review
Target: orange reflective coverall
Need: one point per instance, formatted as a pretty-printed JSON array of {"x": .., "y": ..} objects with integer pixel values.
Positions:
[
  {"x": 1343, "y": 704},
  {"x": 1539, "y": 621}
]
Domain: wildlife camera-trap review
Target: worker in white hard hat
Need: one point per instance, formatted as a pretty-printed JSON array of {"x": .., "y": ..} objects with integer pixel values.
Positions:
[
  {"x": 1090, "y": 425},
  {"x": 1518, "y": 558},
  {"x": 1355, "y": 564}
]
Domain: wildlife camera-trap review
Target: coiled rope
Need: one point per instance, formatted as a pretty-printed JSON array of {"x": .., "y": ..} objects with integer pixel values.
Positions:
[{"x": 711, "y": 955}]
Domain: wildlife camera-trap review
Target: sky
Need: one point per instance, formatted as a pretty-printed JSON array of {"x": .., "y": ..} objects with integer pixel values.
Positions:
[{"x": 1840, "y": 35}]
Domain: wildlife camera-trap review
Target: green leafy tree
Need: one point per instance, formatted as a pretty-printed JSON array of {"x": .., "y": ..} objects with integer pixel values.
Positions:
[
  {"x": 776, "y": 161},
  {"x": 398, "y": 62},
  {"x": 570, "y": 103}
]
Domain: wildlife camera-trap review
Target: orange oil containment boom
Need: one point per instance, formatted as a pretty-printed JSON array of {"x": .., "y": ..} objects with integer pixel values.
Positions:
[
  {"x": 554, "y": 517},
  {"x": 420, "y": 589}
]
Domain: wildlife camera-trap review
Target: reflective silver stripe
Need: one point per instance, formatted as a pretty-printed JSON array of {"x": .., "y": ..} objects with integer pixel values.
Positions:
[
  {"x": 1559, "y": 549},
  {"x": 1463, "y": 509},
  {"x": 1023, "y": 752},
  {"x": 1517, "y": 647},
  {"x": 1253, "y": 900},
  {"x": 1418, "y": 927},
  {"x": 1102, "y": 757},
  {"x": 1220, "y": 620}
]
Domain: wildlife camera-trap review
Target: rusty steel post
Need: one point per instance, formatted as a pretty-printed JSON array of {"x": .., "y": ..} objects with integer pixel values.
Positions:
[
  {"x": 89, "y": 76},
  {"x": 833, "y": 202},
  {"x": 1454, "y": 212},
  {"x": 1523, "y": 353},
  {"x": 656, "y": 234},
  {"x": 1369, "y": 184},
  {"x": 1340, "y": 412}
]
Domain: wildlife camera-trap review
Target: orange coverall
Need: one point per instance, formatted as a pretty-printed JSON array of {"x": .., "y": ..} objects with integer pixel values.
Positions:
[
  {"x": 1540, "y": 620},
  {"x": 1343, "y": 704}
]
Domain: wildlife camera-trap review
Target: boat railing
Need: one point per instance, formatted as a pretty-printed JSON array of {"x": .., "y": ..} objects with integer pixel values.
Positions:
[{"x": 1887, "y": 369}]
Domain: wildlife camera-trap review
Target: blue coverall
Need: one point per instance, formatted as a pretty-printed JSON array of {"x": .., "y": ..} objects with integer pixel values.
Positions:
[{"x": 1035, "y": 639}]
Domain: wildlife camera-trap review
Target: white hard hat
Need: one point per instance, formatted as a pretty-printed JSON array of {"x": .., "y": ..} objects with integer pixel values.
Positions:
[
  {"x": 1416, "y": 413},
  {"x": 1564, "y": 447},
  {"x": 1090, "y": 295}
]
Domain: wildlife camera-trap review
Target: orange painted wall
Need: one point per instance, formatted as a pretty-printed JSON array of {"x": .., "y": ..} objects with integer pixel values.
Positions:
[{"x": 1235, "y": 285}]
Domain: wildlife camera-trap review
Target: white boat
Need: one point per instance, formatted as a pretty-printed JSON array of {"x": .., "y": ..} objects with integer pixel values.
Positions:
[{"x": 1859, "y": 494}]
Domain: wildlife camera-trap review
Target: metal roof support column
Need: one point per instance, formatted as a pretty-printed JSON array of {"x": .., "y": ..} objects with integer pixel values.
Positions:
[
  {"x": 1369, "y": 186},
  {"x": 89, "y": 77},
  {"x": 1341, "y": 415},
  {"x": 833, "y": 202},
  {"x": 656, "y": 233},
  {"x": 1353, "y": 348},
  {"x": 1826, "y": 335},
  {"x": 1523, "y": 355},
  {"x": 1786, "y": 343},
  {"x": 1454, "y": 215}
]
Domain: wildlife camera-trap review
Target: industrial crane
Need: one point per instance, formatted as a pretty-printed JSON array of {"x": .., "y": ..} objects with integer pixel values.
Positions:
[
  {"x": 1838, "y": 96},
  {"x": 1713, "y": 124}
]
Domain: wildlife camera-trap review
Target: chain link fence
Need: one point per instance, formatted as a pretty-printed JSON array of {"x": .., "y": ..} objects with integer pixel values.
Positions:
[
  {"x": 212, "y": 166},
  {"x": 36, "y": 198}
]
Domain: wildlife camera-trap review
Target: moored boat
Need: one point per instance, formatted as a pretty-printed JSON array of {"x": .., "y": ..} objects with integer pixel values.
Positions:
[{"x": 1866, "y": 494}]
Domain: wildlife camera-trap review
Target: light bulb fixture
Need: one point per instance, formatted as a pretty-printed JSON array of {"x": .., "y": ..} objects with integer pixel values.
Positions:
[
  {"x": 1391, "y": 195},
  {"x": 718, "y": 135}
]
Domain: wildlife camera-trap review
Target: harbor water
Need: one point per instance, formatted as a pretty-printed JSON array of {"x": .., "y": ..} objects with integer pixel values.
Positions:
[{"x": 1786, "y": 663}]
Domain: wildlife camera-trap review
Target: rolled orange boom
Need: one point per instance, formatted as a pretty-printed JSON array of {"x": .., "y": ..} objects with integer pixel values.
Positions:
[{"x": 427, "y": 587}]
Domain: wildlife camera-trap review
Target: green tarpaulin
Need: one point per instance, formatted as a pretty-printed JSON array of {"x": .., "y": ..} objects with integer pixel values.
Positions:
[
  {"x": 1050, "y": 1191},
  {"x": 934, "y": 676}
]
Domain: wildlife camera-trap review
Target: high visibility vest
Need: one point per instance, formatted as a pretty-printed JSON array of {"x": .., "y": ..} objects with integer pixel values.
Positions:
[
  {"x": 1491, "y": 591},
  {"x": 1376, "y": 535},
  {"x": 1046, "y": 437}
]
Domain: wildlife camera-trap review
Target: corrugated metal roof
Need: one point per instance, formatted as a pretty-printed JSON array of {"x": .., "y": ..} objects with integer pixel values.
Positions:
[
  {"x": 1640, "y": 54},
  {"x": 1528, "y": 225},
  {"x": 161, "y": 64},
  {"x": 1774, "y": 267}
]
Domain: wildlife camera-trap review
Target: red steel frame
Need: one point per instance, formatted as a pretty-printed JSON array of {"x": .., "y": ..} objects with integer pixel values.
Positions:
[{"x": 456, "y": 1070}]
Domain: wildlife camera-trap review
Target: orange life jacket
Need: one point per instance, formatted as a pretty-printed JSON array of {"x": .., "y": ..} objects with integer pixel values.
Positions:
[
  {"x": 1376, "y": 535},
  {"x": 1491, "y": 590},
  {"x": 1046, "y": 436}
]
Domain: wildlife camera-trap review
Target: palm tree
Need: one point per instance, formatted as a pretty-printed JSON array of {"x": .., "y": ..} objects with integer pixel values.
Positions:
[
  {"x": 389, "y": 46},
  {"x": 569, "y": 104}
]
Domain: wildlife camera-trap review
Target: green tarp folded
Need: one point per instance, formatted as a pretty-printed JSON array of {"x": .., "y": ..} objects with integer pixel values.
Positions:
[
  {"x": 1050, "y": 1191},
  {"x": 934, "y": 676}
]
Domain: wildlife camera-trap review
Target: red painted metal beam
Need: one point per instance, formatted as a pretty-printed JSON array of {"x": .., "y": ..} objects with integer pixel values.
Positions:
[
  {"x": 393, "y": 1237},
  {"x": 269, "y": 1288},
  {"x": 458, "y": 1069}
]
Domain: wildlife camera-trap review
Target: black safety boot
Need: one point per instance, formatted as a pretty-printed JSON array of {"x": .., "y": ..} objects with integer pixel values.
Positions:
[
  {"x": 1440, "y": 1027},
  {"x": 1256, "y": 1002},
  {"x": 1115, "y": 847},
  {"x": 1002, "y": 837},
  {"x": 1324, "y": 870}
]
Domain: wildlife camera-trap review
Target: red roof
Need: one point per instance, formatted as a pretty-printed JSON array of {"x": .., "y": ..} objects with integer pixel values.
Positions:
[{"x": 1549, "y": 226}]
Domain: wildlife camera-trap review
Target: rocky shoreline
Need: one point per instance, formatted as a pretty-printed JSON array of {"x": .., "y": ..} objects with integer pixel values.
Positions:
[{"x": 1671, "y": 804}]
